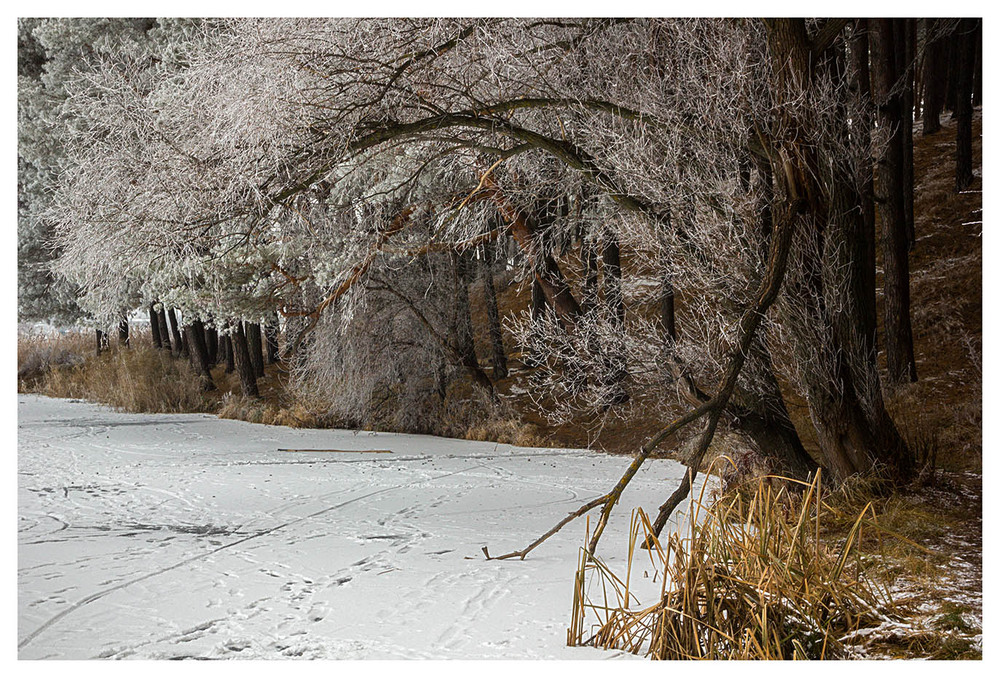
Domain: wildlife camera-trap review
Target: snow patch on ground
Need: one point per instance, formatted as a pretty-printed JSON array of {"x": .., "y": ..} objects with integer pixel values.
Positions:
[{"x": 176, "y": 536}]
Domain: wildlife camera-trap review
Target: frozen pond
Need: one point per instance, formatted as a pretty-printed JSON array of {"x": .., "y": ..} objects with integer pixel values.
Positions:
[{"x": 170, "y": 536}]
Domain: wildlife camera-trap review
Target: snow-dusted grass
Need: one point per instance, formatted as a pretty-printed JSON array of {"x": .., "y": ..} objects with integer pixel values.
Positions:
[{"x": 156, "y": 536}]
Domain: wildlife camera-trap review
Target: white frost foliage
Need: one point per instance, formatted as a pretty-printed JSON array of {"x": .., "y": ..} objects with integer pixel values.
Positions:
[{"x": 275, "y": 163}]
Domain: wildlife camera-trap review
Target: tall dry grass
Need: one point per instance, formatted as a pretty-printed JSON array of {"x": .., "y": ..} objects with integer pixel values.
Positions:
[
  {"x": 137, "y": 379},
  {"x": 143, "y": 379},
  {"x": 39, "y": 353},
  {"x": 752, "y": 578}
]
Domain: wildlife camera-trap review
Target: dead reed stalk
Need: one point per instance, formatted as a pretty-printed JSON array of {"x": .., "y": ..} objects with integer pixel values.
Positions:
[{"x": 750, "y": 578}]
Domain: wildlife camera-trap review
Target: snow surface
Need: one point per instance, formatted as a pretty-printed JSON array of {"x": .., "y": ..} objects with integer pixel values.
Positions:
[{"x": 175, "y": 536}]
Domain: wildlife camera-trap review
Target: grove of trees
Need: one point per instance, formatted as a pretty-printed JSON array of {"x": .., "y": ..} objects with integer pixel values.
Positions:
[{"x": 696, "y": 205}]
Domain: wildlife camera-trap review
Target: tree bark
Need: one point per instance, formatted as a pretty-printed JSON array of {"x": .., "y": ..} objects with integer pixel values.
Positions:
[
  {"x": 900, "y": 360},
  {"x": 668, "y": 319},
  {"x": 864, "y": 239},
  {"x": 271, "y": 338},
  {"x": 905, "y": 34},
  {"x": 154, "y": 326},
  {"x": 612, "y": 277},
  {"x": 242, "y": 361},
  {"x": 102, "y": 341},
  {"x": 465, "y": 345},
  {"x": 198, "y": 351},
  {"x": 493, "y": 315},
  {"x": 161, "y": 319},
  {"x": 954, "y": 57},
  {"x": 256, "y": 346},
  {"x": 935, "y": 76},
  {"x": 967, "y": 38},
  {"x": 589, "y": 294},
  {"x": 853, "y": 434},
  {"x": 977, "y": 81},
  {"x": 212, "y": 344},
  {"x": 178, "y": 341},
  {"x": 123, "y": 340},
  {"x": 227, "y": 351}
]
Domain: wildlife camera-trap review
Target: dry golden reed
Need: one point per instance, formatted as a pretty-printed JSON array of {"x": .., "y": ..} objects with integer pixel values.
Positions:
[{"x": 752, "y": 578}]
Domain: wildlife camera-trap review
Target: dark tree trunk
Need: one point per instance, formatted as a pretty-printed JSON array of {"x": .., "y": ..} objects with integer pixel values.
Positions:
[
  {"x": 770, "y": 428},
  {"x": 161, "y": 319},
  {"x": 977, "y": 82},
  {"x": 154, "y": 326},
  {"x": 612, "y": 277},
  {"x": 179, "y": 346},
  {"x": 954, "y": 57},
  {"x": 589, "y": 295},
  {"x": 935, "y": 75},
  {"x": 493, "y": 315},
  {"x": 123, "y": 340},
  {"x": 966, "y": 37},
  {"x": 256, "y": 346},
  {"x": 212, "y": 344},
  {"x": 895, "y": 244},
  {"x": 244, "y": 365},
  {"x": 865, "y": 238},
  {"x": 195, "y": 333},
  {"x": 538, "y": 306},
  {"x": 227, "y": 352},
  {"x": 667, "y": 318},
  {"x": 102, "y": 341},
  {"x": 853, "y": 435},
  {"x": 905, "y": 34},
  {"x": 465, "y": 346},
  {"x": 271, "y": 338},
  {"x": 919, "y": 44}
]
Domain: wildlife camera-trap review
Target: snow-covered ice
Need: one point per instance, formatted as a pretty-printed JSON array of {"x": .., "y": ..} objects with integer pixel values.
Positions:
[{"x": 169, "y": 536}]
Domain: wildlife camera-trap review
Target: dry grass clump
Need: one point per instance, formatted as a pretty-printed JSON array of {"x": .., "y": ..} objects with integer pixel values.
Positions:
[
  {"x": 259, "y": 411},
  {"x": 140, "y": 379},
  {"x": 39, "y": 353},
  {"x": 753, "y": 578},
  {"x": 509, "y": 431},
  {"x": 470, "y": 413}
]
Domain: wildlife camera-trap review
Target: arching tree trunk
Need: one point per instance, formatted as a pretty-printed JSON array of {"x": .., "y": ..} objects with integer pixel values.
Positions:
[{"x": 243, "y": 364}]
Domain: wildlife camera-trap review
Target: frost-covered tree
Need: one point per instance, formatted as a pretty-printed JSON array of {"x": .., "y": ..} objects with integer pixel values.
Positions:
[
  {"x": 56, "y": 59},
  {"x": 324, "y": 167}
]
